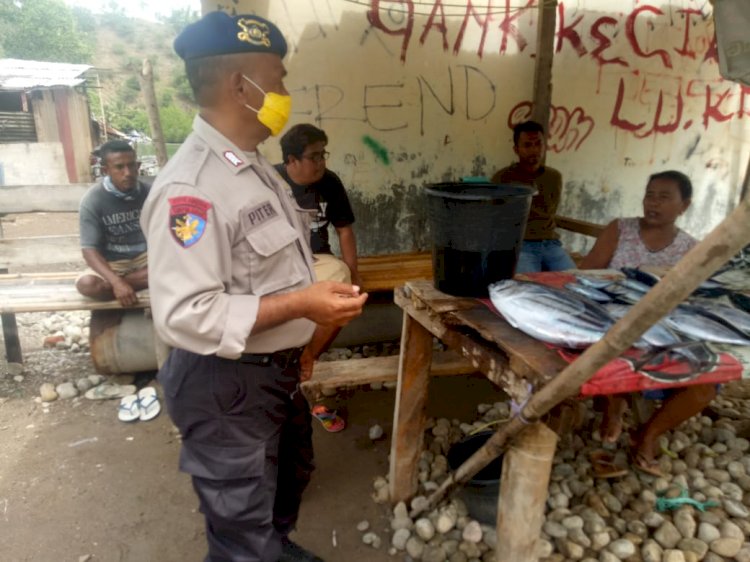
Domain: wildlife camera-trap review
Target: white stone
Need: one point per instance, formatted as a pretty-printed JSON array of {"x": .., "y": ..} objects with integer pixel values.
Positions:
[
  {"x": 600, "y": 540},
  {"x": 47, "y": 392},
  {"x": 571, "y": 550},
  {"x": 83, "y": 384},
  {"x": 622, "y": 548},
  {"x": 375, "y": 433},
  {"x": 729, "y": 530},
  {"x": 424, "y": 528},
  {"x": 399, "y": 538},
  {"x": 708, "y": 533},
  {"x": 419, "y": 504},
  {"x": 673, "y": 556},
  {"x": 736, "y": 509},
  {"x": 695, "y": 546},
  {"x": 728, "y": 548},
  {"x": 667, "y": 535},
  {"x": 363, "y": 525},
  {"x": 66, "y": 390},
  {"x": 414, "y": 548},
  {"x": 445, "y": 522},
  {"x": 96, "y": 379},
  {"x": 555, "y": 530},
  {"x": 472, "y": 532},
  {"x": 685, "y": 523},
  {"x": 651, "y": 551},
  {"x": 544, "y": 548}
]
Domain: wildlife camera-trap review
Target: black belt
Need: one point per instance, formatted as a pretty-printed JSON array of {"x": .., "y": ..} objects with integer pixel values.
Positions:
[{"x": 283, "y": 358}]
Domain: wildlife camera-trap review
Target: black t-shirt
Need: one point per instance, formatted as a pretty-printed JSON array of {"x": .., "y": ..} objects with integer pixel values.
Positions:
[{"x": 328, "y": 197}]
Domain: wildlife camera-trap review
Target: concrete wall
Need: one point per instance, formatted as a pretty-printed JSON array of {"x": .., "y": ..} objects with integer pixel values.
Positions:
[
  {"x": 417, "y": 92},
  {"x": 39, "y": 163}
]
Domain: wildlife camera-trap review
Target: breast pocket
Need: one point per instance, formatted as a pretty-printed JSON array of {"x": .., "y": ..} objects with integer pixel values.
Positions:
[{"x": 275, "y": 261}]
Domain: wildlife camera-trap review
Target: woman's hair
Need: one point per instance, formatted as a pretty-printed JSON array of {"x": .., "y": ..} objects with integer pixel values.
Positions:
[{"x": 683, "y": 182}]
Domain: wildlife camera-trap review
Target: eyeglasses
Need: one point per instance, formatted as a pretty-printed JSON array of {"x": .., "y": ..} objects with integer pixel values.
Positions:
[{"x": 317, "y": 156}]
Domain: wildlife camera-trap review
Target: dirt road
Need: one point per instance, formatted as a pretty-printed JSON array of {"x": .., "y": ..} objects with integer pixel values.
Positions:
[{"x": 76, "y": 482}]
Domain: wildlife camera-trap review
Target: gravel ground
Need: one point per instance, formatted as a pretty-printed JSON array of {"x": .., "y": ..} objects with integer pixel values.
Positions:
[{"x": 54, "y": 448}]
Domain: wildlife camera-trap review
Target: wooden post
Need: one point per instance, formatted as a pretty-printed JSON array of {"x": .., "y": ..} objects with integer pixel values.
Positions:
[
  {"x": 13, "y": 351},
  {"x": 545, "y": 48},
  {"x": 523, "y": 490},
  {"x": 409, "y": 414},
  {"x": 146, "y": 78},
  {"x": 101, "y": 107}
]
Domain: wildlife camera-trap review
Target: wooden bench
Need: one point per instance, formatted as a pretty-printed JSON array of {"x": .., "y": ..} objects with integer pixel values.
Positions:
[{"x": 41, "y": 292}]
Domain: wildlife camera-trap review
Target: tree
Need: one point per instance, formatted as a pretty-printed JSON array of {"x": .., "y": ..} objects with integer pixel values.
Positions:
[
  {"x": 179, "y": 18},
  {"x": 45, "y": 30}
]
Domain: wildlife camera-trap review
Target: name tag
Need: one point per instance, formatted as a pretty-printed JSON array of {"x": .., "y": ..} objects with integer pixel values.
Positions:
[{"x": 261, "y": 214}]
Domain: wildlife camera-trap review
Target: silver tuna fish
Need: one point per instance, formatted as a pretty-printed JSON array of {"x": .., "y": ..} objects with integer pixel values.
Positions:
[
  {"x": 728, "y": 315},
  {"x": 549, "y": 314},
  {"x": 657, "y": 335},
  {"x": 688, "y": 321}
]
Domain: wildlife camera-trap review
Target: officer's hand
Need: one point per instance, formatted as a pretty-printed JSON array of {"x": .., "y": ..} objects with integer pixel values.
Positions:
[
  {"x": 124, "y": 293},
  {"x": 333, "y": 304}
]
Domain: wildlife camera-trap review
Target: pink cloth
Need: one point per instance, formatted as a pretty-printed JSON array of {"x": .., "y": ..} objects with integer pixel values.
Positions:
[{"x": 632, "y": 252}]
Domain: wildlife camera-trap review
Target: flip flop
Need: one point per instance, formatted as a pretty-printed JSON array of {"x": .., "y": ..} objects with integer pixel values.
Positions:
[
  {"x": 331, "y": 421},
  {"x": 108, "y": 391},
  {"x": 603, "y": 464},
  {"x": 148, "y": 403},
  {"x": 644, "y": 465},
  {"x": 129, "y": 411}
]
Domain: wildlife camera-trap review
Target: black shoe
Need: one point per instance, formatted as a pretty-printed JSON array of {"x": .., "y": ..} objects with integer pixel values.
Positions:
[{"x": 292, "y": 552}]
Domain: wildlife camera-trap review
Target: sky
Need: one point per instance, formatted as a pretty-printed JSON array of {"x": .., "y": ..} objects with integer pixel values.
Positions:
[{"x": 144, "y": 9}]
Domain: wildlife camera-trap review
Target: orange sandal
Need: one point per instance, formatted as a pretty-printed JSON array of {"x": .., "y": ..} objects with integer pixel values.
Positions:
[
  {"x": 603, "y": 465},
  {"x": 331, "y": 421}
]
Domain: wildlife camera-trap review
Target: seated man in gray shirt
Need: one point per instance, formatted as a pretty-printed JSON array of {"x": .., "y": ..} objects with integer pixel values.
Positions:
[{"x": 112, "y": 241}]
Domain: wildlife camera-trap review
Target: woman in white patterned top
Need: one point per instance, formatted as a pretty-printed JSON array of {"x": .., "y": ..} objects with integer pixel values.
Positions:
[{"x": 653, "y": 239}]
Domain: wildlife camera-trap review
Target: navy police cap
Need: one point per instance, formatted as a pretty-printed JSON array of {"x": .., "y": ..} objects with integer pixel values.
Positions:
[{"x": 218, "y": 33}]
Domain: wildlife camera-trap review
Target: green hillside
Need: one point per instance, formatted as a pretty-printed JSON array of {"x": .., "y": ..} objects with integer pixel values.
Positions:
[
  {"x": 116, "y": 46},
  {"x": 121, "y": 46}
]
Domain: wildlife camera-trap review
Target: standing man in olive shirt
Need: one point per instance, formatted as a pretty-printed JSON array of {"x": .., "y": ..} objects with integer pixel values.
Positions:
[{"x": 541, "y": 250}]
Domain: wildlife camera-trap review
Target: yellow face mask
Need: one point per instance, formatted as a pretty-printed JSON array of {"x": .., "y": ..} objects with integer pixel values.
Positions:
[{"x": 274, "y": 113}]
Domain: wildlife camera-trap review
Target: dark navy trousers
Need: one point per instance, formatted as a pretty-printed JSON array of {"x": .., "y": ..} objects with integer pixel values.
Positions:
[{"x": 247, "y": 444}]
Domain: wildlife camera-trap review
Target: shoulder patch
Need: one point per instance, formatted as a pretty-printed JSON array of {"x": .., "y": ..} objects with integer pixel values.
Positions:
[
  {"x": 188, "y": 217},
  {"x": 233, "y": 159}
]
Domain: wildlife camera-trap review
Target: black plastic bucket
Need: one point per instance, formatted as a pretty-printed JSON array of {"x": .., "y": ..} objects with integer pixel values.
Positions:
[
  {"x": 480, "y": 494},
  {"x": 477, "y": 229}
]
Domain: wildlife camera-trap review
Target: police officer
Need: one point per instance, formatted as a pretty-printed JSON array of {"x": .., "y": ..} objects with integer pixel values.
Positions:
[{"x": 232, "y": 291}]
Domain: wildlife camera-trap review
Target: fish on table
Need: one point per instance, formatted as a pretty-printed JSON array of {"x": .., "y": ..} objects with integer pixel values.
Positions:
[{"x": 550, "y": 314}]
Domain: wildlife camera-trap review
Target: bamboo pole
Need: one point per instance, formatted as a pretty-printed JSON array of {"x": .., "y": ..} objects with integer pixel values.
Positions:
[
  {"x": 694, "y": 268},
  {"x": 146, "y": 78}
]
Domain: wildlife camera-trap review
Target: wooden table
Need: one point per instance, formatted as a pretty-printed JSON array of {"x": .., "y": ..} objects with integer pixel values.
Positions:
[{"x": 510, "y": 359}]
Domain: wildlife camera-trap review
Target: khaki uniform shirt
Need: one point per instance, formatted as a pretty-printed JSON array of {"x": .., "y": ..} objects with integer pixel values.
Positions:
[
  {"x": 548, "y": 182},
  {"x": 223, "y": 230}
]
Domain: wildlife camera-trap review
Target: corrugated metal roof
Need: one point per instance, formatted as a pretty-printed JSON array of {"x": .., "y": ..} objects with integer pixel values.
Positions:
[{"x": 16, "y": 74}]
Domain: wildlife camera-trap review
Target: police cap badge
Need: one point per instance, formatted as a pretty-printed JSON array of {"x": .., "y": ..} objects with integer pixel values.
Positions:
[{"x": 218, "y": 33}]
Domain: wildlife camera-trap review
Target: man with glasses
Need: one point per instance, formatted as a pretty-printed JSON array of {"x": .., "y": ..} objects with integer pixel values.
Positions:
[
  {"x": 319, "y": 190},
  {"x": 112, "y": 242}
]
